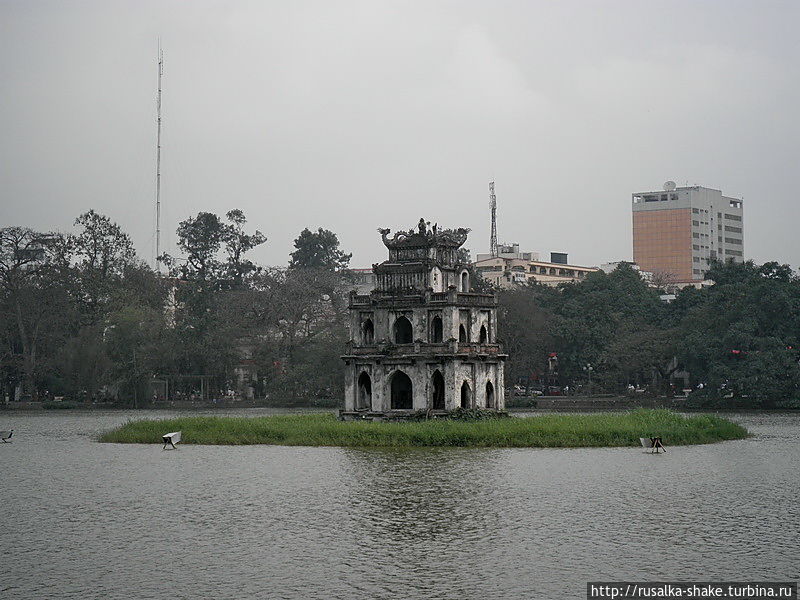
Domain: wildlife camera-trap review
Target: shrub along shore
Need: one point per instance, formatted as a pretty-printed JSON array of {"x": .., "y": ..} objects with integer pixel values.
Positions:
[{"x": 547, "y": 431}]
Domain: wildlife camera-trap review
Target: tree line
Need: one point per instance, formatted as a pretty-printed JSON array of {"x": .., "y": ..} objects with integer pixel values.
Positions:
[
  {"x": 85, "y": 319},
  {"x": 81, "y": 316},
  {"x": 738, "y": 341}
]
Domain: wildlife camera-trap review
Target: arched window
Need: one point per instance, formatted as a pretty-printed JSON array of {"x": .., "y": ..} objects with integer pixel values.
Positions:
[
  {"x": 462, "y": 334},
  {"x": 367, "y": 332},
  {"x": 364, "y": 399},
  {"x": 484, "y": 339},
  {"x": 465, "y": 395},
  {"x": 403, "y": 333},
  {"x": 489, "y": 395},
  {"x": 464, "y": 281},
  {"x": 436, "y": 330},
  {"x": 438, "y": 391},
  {"x": 401, "y": 391}
]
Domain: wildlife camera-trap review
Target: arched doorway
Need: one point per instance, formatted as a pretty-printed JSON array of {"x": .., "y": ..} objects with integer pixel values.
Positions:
[
  {"x": 438, "y": 391},
  {"x": 368, "y": 332},
  {"x": 466, "y": 395},
  {"x": 462, "y": 334},
  {"x": 364, "y": 398},
  {"x": 464, "y": 281},
  {"x": 401, "y": 391},
  {"x": 489, "y": 395},
  {"x": 484, "y": 337},
  {"x": 436, "y": 330},
  {"x": 403, "y": 332}
]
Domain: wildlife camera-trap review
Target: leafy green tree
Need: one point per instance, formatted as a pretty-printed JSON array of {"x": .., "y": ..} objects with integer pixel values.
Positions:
[
  {"x": 738, "y": 337},
  {"x": 590, "y": 315},
  {"x": 101, "y": 252},
  {"x": 200, "y": 238},
  {"x": 318, "y": 250}
]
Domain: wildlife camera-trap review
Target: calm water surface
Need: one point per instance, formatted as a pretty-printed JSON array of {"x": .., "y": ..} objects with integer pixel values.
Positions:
[{"x": 79, "y": 519}]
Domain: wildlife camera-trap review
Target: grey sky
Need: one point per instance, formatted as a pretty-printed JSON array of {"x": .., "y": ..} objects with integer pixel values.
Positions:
[{"x": 355, "y": 115}]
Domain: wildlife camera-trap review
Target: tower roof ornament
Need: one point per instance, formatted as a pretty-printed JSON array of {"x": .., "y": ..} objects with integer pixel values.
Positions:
[{"x": 425, "y": 237}]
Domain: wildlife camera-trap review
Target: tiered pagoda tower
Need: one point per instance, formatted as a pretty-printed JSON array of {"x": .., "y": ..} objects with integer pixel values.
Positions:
[{"x": 422, "y": 340}]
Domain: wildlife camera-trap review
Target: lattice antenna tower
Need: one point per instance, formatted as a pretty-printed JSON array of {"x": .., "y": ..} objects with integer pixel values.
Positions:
[
  {"x": 493, "y": 208},
  {"x": 157, "y": 264}
]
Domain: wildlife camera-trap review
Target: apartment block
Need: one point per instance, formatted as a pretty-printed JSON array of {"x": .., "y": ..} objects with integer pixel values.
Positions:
[
  {"x": 681, "y": 230},
  {"x": 511, "y": 267}
]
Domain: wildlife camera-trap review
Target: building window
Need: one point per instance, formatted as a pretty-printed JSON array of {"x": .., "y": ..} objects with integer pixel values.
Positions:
[
  {"x": 733, "y": 229},
  {"x": 733, "y": 217},
  {"x": 696, "y": 223},
  {"x": 733, "y": 252},
  {"x": 733, "y": 241},
  {"x": 696, "y": 235}
]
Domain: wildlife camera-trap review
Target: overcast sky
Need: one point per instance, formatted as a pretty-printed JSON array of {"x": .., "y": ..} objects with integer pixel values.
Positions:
[{"x": 357, "y": 115}]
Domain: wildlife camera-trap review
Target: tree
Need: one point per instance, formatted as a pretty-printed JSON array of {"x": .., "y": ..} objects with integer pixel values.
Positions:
[
  {"x": 200, "y": 238},
  {"x": 102, "y": 251},
  {"x": 590, "y": 315},
  {"x": 134, "y": 342},
  {"x": 237, "y": 243},
  {"x": 664, "y": 281},
  {"x": 524, "y": 330},
  {"x": 318, "y": 249},
  {"x": 34, "y": 288},
  {"x": 83, "y": 365},
  {"x": 740, "y": 334},
  {"x": 298, "y": 328}
]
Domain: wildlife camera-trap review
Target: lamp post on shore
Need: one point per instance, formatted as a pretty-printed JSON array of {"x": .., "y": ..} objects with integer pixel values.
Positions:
[{"x": 589, "y": 368}]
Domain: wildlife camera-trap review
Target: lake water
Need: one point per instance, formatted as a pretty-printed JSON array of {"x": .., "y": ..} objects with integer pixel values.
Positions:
[{"x": 79, "y": 519}]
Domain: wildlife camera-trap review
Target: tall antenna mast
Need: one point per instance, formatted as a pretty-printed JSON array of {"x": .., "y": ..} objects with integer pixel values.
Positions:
[
  {"x": 158, "y": 159},
  {"x": 493, "y": 207}
]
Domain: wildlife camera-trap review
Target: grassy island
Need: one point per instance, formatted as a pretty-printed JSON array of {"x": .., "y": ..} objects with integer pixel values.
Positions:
[{"x": 548, "y": 431}]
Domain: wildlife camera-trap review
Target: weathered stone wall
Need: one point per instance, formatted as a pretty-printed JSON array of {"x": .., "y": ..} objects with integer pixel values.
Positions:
[{"x": 455, "y": 371}]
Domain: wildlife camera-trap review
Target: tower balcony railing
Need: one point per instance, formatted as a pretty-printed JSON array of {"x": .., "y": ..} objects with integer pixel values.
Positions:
[
  {"x": 359, "y": 299},
  {"x": 415, "y": 297},
  {"x": 426, "y": 348},
  {"x": 474, "y": 298}
]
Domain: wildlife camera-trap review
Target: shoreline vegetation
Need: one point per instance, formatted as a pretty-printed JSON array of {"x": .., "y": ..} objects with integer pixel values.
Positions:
[{"x": 546, "y": 431}]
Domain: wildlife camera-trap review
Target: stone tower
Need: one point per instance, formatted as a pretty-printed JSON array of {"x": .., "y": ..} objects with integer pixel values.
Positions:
[{"x": 421, "y": 340}]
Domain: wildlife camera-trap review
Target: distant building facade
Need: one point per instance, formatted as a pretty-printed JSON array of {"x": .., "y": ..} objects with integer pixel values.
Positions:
[
  {"x": 511, "y": 267},
  {"x": 421, "y": 340},
  {"x": 681, "y": 230}
]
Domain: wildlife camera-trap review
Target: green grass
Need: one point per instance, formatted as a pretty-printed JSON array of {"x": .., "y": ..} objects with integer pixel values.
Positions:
[{"x": 548, "y": 431}]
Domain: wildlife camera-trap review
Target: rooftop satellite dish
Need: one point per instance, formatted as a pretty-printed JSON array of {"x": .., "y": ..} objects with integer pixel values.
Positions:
[{"x": 670, "y": 186}]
